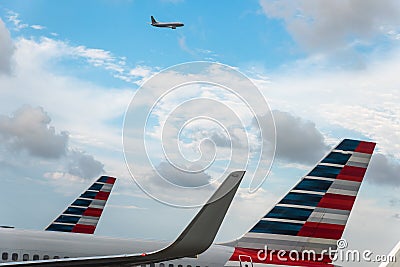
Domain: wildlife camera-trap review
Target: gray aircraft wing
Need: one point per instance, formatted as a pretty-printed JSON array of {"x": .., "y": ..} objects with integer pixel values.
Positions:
[{"x": 195, "y": 239}]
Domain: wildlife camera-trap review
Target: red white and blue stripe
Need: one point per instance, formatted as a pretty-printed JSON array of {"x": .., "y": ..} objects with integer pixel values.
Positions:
[
  {"x": 84, "y": 213},
  {"x": 313, "y": 215}
]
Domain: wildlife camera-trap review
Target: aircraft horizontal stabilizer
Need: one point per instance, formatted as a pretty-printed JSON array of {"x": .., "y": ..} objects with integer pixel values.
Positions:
[{"x": 195, "y": 239}]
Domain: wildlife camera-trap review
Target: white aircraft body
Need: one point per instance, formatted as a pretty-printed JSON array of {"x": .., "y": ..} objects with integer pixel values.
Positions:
[
  {"x": 311, "y": 216},
  {"x": 61, "y": 245},
  {"x": 172, "y": 25}
]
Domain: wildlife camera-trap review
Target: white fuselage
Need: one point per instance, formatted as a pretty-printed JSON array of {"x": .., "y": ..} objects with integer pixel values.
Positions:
[
  {"x": 34, "y": 245},
  {"x": 172, "y": 25}
]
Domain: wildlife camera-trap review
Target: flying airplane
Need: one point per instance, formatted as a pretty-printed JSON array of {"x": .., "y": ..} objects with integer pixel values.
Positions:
[
  {"x": 310, "y": 217},
  {"x": 172, "y": 25}
]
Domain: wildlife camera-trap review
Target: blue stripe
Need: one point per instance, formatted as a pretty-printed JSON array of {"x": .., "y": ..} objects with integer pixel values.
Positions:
[
  {"x": 348, "y": 145},
  {"x": 96, "y": 187},
  {"x": 313, "y": 185},
  {"x": 103, "y": 179},
  {"x": 67, "y": 219},
  {"x": 301, "y": 199},
  {"x": 81, "y": 202},
  {"x": 87, "y": 194},
  {"x": 289, "y": 213},
  {"x": 336, "y": 158},
  {"x": 60, "y": 227},
  {"x": 74, "y": 211},
  {"x": 282, "y": 228},
  {"x": 325, "y": 171}
]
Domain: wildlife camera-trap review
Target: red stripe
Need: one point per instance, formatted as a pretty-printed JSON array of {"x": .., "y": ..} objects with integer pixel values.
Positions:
[
  {"x": 365, "y": 147},
  {"x": 321, "y": 230},
  {"x": 352, "y": 173},
  {"x": 272, "y": 258},
  {"x": 111, "y": 180},
  {"x": 84, "y": 229},
  {"x": 93, "y": 212},
  {"x": 336, "y": 201},
  {"x": 102, "y": 195}
]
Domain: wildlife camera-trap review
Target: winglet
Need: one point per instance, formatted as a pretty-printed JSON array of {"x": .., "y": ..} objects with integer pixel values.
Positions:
[{"x": 200, "y": 233}]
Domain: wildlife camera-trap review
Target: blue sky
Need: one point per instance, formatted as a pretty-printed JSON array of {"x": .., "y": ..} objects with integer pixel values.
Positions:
[{"x": 328, "y": 71}]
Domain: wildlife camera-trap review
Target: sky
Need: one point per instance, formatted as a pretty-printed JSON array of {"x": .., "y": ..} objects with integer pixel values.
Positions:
[{"x": 70, "y": 69}]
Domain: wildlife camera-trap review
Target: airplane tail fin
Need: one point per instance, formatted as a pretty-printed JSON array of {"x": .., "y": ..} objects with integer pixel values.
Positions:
[
  {"x": 313, "y": 215},
  {"x": 84, "y": 213},
  {"x": 153, "y": 20}
]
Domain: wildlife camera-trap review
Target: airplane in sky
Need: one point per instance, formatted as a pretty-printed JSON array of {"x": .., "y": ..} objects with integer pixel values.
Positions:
[
  {"x": 310, "y": 217},
  {"x": 172, "y": 25}
]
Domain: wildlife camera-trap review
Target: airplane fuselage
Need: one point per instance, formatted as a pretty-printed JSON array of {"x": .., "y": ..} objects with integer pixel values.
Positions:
[
  {"x": 20, "y": 245},
  {"x": 172, "y": 25}
]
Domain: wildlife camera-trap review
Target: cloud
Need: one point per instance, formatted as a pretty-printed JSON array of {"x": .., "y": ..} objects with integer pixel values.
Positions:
[
  {"x": 344, "y": 103},
  {"x": 384, "y": 170},
  {"x": 333, "y": 25},
  {"x": 297, "y": 140},
  {"x": 28, "y": 129},
  {"x": 125, "y": 207},
  {"x": 182, "y": 178},
  {"x": 100, "y": 58},
  {"x": 117, "y": 66},
  {"x": 183, "y": 45},
  {"x": 6, "y": 49},
  {"x": 197, "y": 53},
  {"x": 14, "y": 18},
  {"x": 84, "y": 165},
  {"x": 90, "y": 112},
  {"x": 37, "y": 27}
]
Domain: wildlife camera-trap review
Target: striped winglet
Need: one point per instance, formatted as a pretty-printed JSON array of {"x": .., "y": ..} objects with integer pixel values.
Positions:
[
  {"x": 84, "y": 213},
  {"x": 313, "y": 215}
]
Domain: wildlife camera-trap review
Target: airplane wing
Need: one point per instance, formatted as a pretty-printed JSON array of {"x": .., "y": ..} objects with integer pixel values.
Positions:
[
  {"x": 84, "y": 213},
  {"x": 393, "y": 257},
  {"x": 195, "y": 239}
]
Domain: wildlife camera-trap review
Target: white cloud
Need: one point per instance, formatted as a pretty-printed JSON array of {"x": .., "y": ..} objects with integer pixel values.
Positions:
[
  {"x": 30, "y": 145},
  {"x": 384, "y": 170},
  {"x": 125, "y": 207},
  {"x": 334, "y": 25},
  {"x": 351, "y": 103},
  {"x": 6, "y": 49},
  {"x": 298, "y": 140},
  {"x": 28, "y": 129},
  {"x": 181, "y": 177},
  {"x": 183, "y": 45},
  {"x": 52, "y": 48},
  {"x": 83, "y": 165},
  {"x": 14, "y": 18},
  {"x": 37, "y": 27},
  {"x": 89, "y": 112},
  {"x": 79, "y": 106}
]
